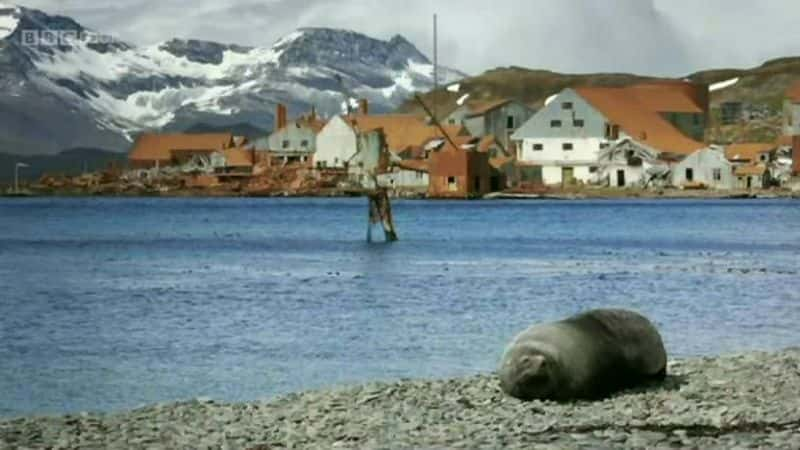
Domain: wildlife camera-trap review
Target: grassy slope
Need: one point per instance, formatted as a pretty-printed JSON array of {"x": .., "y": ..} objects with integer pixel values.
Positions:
[{"x": 765, "y": 84}]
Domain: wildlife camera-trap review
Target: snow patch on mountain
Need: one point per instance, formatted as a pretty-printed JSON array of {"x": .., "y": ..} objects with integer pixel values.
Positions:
[
  {"x": 403, "y": 82},
  {"x": 288, "y": 39},
  {"x": 723, "y": 84},
  {"x": 423, "y": 69},
  {"x": 112, "y": 66},
  {"x": 9, "y": 19},
  {"x": 123, "y": 89}
]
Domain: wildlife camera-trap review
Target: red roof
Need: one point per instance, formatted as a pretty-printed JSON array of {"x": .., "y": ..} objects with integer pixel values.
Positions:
[
  {"x": 403, "y": 131},
  {"x": 747, "y": 151},
  {"x": 419, "y": 165},
  {"x": 159, "y": 147},
  {"x": 479, "y": 109},
  {"x": 672, "y": 96},
  {"x": 638, "y": 118}
]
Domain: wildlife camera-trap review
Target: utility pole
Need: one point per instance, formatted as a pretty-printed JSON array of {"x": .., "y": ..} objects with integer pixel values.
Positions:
[
  {"x": 435, "y": 62},
  {"x": 16, "y": 175}
]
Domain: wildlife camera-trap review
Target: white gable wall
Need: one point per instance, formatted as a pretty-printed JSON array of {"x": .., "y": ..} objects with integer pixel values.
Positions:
[
  {"x": 707, "y": 166},
  {"x": 336, "y": 144},
  {"x": 585, "y": 139}
]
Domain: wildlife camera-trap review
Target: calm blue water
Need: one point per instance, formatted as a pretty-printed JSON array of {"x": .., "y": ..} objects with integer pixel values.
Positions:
[{"x": 109, "y": 304}]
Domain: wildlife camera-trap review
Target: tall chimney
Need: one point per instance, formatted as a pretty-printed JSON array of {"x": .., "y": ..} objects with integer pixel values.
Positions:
[
  {"x": 363, "y": 107},
  {"x": 313, "y": 114},
  {"x": 280, "y": 116}
]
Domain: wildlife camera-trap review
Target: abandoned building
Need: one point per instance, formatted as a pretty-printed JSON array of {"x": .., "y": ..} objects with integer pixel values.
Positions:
[
  {"x": 612, "y": 135},
  {"x": 705, "y": 168},
  {"x": 752, "y": 176},
  {"x": 405, "y": 135},
  {"x": 292, "y": 141},
  {"x": 154, "y": 150},
  {"x": 456, "y": 171},
  {"x": 406, "y": 177},
  {"x": 751, "y": 153},
  {"x": 499, "y": 119}
]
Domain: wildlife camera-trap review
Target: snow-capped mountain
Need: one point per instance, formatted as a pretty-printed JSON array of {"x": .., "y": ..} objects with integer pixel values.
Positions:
[{"x": 81, "y": 89}]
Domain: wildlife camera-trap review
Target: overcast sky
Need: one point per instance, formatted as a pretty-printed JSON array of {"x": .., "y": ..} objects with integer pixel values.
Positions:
[{"x": 653, "y": 37}]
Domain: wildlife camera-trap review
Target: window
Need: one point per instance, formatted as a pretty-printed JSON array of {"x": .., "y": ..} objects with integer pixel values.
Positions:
[
  {"x": 717, "y": 174},
  {"x": 452, "y": 121},
  {"x": 285, "y": 144},
  {"x": 538, "y": 147},
  {"x": 696, "y": 119},
  {"x": 304, "y": 144},
  {"x": 689, "y": 174},
  {"x": 451, "y": 183},
  {"x": 566, "y": 146},
  {"x": 612, "y": 132},
  {"x": 566, "y": 105},
  {"x": 603, "y": 145},
  {"x": 418, "y": 175},
  {"x": 555, "y": 124},
  {"x": 593, "y": 169},
  {"x": 577, "y": 123},
  {"x": 510, "y": 122}
]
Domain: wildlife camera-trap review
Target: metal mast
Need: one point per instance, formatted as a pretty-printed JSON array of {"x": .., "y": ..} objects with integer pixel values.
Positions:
[{"x": 435, "y": 63}]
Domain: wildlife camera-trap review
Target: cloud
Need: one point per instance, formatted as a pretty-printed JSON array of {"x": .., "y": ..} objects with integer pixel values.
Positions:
[{"x": 655, "y": 37}]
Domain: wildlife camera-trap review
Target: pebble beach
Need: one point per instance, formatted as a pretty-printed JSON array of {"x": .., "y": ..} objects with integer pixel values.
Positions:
[{"x": 740, "y": 401}]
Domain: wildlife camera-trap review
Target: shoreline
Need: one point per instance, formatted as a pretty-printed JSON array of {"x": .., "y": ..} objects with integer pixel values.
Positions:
[
  {"x": 746, "y": 400},
  {"x": 675, "y": 194}
]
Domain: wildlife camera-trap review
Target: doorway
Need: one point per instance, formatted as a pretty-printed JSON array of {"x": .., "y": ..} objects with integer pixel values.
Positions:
[
  {"x": 567, "y": 175},
  {"x": 620, "y": 178},
  {"x": 495, "y": 183}
]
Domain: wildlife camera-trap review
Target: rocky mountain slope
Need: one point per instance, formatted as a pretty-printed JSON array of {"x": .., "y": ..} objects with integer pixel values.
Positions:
[
  {"x": 74, "y": 161},
  {"x": 93, "y": 91}
]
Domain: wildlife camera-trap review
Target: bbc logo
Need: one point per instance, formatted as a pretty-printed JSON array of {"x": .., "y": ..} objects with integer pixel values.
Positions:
[{"x": 62, "y": 38}]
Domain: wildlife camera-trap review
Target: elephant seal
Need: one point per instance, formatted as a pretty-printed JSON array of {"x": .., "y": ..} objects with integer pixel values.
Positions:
[{"x": 587, "y": 356}]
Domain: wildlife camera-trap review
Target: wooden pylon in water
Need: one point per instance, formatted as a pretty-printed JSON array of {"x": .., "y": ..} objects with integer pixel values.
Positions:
[{"x": 380, "y": 211}]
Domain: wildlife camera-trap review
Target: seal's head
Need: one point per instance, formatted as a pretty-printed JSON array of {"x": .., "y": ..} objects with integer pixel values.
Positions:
[{"x": 527, "y": 374}]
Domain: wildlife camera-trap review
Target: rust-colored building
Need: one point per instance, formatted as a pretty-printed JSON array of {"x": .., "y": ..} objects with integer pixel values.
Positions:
[
  {"x": 796, "y": 155},
  {"x": 458, "y": 172},
  {"x": 159, "y": 150}
]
